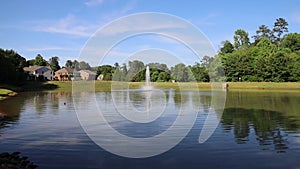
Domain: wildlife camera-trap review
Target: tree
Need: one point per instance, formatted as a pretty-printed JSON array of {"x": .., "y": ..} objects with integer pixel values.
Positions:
[
  {"x": 291, "y": 41},
  {"x": 40, "y": 61},
  {"x": 180, "y": 72},
  {"x": 76, "y": 65},
  {"x": 120, "y": 73},
  {"x": 116, "y": 65},
  {"x": 154, "y": 74},
  {"x": 241, "y": 39},
  {"x": 200, "y": 73},
  {"x": 293, "y": 67},
  {"x": 206, "y": 61},
  {"x": 69, "y": 64},
  {"x": 163, "y": 77},
  {"x": 280, "y": 26},
  {"x": 124, "y": 68},
  {"x": 134, "y": 68},
  {"x": 82, "y": 65},
  {"x": 11, "y": 67},
  {"x": 30, "y": 62},
  {"x": 263, "y": 31},
  {"x": 107, "y": 71},
  {"x": 227, "y": 47},
  {"x": 279, "y": 65},
  {"x": 53, "y": 62}
]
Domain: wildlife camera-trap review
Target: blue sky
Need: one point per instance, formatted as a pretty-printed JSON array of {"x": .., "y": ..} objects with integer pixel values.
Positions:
[{"x": 63, "y": 27}]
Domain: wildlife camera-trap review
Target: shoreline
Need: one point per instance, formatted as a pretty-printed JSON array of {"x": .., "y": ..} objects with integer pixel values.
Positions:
[
  {"x": 6, "y": 93},
  {"x": 104, "y": 86}
]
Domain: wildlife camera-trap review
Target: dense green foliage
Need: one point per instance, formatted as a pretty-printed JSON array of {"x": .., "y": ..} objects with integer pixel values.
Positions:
[
  {"x": 40, "y": 61},
  {"x": 273, "y": 56},
  {"x": 54, "y": 64},
  {"x": 159, "y": 72},
  {"x": 11, "y": 67},
  {"x": 270, "y": 57}
]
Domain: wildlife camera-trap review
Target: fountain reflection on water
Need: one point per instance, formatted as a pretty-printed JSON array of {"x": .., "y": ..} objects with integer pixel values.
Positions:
[{"x": 153, "y": 100}]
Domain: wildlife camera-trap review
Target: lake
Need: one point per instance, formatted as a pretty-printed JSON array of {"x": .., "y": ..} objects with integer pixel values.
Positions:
[{"x": 258, "y": 129}]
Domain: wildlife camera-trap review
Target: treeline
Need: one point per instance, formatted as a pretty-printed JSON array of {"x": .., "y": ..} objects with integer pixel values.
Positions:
[
  {"x": 273, "y": 56},
  {"x": 11, "y": 67},
  {"x": 12, "y": 64},
  {"x": 135, "y": 71}
]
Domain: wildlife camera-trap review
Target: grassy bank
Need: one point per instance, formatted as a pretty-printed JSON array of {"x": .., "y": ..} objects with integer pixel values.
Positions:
[
  {"x": 265, "y": 85},
  {"x": 5, "y": 91},
  {"x": 102, "y": 86}
]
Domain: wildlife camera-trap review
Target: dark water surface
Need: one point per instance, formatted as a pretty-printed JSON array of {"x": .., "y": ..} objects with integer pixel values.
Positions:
[{"x": 258, "y": 129}]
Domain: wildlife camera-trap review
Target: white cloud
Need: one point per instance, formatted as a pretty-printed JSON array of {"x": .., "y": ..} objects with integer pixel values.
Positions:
[
  {"x": 139, "y": 25},
  {"x": 93, "y": 2},
  {"x": 71, "y": 25},
  {"x": 50, "y": 48},
  {"x": 68, "y": 25},
  {"x": 115, "y": 14},
  {"x": 206, "y": 20}
]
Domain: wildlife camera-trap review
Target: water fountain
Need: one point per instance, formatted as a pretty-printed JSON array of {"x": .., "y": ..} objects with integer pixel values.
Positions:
[
  {"x": 148, "y": 76},
  {"x": 147, "y": 86}
]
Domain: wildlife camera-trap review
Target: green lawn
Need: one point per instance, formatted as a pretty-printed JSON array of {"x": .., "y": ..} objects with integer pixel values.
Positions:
[
  {"x": 4, "y": 93},
  {"x": 102, "y": 86},
  {"x": 265, "y": 85}
]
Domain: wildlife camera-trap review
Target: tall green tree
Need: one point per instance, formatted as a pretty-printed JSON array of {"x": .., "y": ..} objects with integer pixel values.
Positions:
[
  {"x": 40, "y": 61},
  {"x": 227, "y": 47},
  {"x": 200, "y": 73},
  {"x": 180, "y": 72},
  {"x": 291, "y": 41},
  {"x": 54, "y": 63},
  {"x": 11, "y": 67},
  {"x": 135, "y": 67},
  {"x": 107, "y": 71},
  {"x": 82, "y": 65},
  {"x": 69, "y": 64},
  {"x": 280, "y": 26},
  {"x": 241, "y": 39},
  {"x": 263, "y": 31}
]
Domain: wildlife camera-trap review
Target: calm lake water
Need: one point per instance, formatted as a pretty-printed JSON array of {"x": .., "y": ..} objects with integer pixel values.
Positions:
[{"x": 258, "y": 129}]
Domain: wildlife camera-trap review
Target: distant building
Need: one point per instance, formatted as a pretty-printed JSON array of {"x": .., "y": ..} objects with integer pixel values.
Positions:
[
  {"x": 100, "y": 77},
  {"x": 66, "y": 73},
  {"x": 39, "y": 72},
  {"x": 87, "y": 75}
]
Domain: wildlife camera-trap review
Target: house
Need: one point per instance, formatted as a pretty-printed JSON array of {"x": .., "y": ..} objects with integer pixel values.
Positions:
[
  {"x": 39, "y": 72},
  {"x": 66, "y": 73},
  {"x": 87, "y": 75}
]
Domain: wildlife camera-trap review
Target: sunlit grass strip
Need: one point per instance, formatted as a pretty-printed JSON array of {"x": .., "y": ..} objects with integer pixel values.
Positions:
[
  {"x": 265, "y": 85},
  {"x": 105, "y": 86},
  {"x": 5, "y": 93}
]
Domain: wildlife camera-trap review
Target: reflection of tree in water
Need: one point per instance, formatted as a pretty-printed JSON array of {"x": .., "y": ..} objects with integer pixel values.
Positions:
[
  {"x": 11, "y": 108},
  {"x": 6, "y": 121},
  {"x": 181, "y": 98},
  {"x": 270, "y": 127},
  {"x": 10, "y": 112}
]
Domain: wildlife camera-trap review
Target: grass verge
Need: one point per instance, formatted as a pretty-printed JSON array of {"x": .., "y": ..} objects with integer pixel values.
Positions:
[
  {"x": 103, "y": 86},
  {"x": 8, "y": 90}
]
